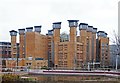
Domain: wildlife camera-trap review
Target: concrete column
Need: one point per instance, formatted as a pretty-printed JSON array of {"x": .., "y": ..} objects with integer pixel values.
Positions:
[{"x": 119, "y": 19}]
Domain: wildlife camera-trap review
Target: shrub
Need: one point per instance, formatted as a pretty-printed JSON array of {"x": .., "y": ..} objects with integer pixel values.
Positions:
[
  {"x": 10, "y": 77},
  {"x": 14, "y": 78},
  {"x": 44, "y": 67}
]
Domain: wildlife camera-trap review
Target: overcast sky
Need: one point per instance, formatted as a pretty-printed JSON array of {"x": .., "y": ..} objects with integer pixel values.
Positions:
[{"x": 16, "y": 14}]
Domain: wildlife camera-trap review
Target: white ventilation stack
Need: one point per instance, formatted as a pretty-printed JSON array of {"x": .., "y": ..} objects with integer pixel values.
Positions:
[{"x": 119, "y": 18}]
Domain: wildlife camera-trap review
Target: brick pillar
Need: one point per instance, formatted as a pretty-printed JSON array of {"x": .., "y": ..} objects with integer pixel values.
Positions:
[
  {"x": 83, "y": 36},
  {"x": 13, "y": 35},
  {"x": 21, "y": 43},
  {"x": 72, "y": 59},
  {"x": 94, "y": 44},
  {"x": 56, "y": 38},
  {"x": 89, "y": 43}
]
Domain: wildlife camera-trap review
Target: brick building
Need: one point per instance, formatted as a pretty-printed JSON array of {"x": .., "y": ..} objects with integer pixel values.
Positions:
[
  {"x": 5, "y": 53},
  {"x": 63, "y": 51},
  {"x": 103, "y": 54}
]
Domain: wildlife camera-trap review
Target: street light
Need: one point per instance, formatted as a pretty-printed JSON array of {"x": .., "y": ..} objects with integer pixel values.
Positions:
[
  {"x": 88, "y": 66},
  {"x": 116, "y": 62},
  {"x": 117, "y": 59}
]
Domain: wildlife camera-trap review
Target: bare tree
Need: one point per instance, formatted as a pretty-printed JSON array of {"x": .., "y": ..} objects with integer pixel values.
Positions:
[{"x": 116, "y": 41}]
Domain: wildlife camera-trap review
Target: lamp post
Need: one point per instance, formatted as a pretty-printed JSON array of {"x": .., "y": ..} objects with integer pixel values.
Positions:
[
  {"x": 117, "y": 60},
  {"x": 88, "y": 66}
]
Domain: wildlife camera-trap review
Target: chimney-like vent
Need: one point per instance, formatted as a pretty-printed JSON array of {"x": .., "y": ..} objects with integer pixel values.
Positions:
[
  {"x": 83, "y": 26},
  {"x": 13, "y": 33},
  {"x": 94, "y": 30},
  {"x": 102, "y": 34},
  {"x": 73, "y": 23},
  {"x": 90, "y": 28},
  {"x": 21, "y": 31},
  {"x": 29, "y": 29},
  {"x": 50, "y": 32},
  {"x": 37, "y": 29},
  {"x": 57, "y": 25}
]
